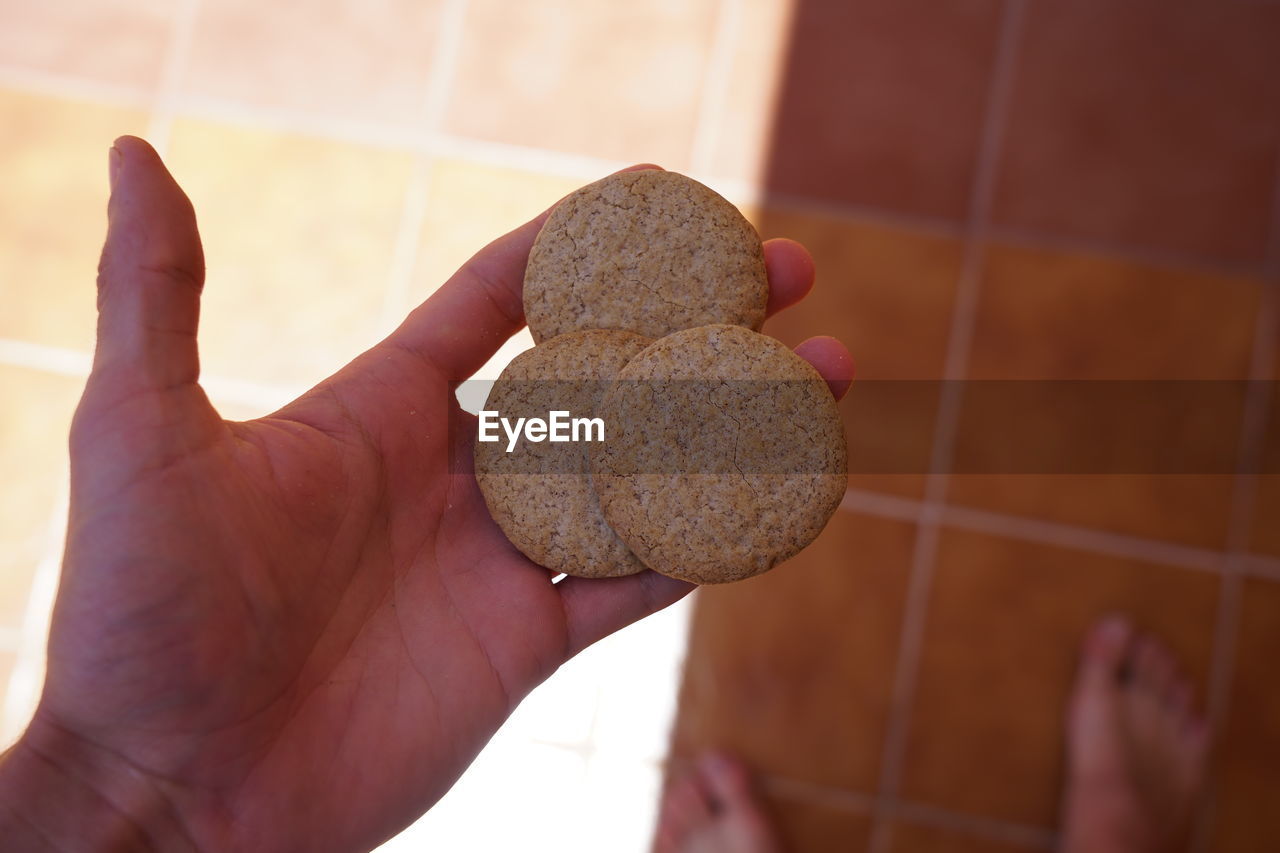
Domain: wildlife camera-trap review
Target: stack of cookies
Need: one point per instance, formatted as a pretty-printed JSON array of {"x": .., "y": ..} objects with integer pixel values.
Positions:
[{"x": 722, "y": 451}]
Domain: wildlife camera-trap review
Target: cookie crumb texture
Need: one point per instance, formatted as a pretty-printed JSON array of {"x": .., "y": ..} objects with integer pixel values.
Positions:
[
  {"x": 540, "y": 494},
  {"x": 650, "y": 252},
  {"x": 726, "y": 455}
]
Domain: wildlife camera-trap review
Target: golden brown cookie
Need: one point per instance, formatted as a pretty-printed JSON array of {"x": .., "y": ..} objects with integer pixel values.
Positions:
[
  {"x": 651, "y": 252},
  {"x": 540, "y": 492},
  {"x": 724, "y": 454}
]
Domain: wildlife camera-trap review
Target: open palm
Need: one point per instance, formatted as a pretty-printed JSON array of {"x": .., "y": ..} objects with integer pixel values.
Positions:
[{"x": 296, "y": 632}]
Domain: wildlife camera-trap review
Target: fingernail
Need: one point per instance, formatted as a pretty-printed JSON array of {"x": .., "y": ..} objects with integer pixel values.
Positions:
[{"x": 113, "y": 166}]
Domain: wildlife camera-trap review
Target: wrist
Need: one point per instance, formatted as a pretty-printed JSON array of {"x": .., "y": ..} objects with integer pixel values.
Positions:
[{"x": 59, "y": 791}]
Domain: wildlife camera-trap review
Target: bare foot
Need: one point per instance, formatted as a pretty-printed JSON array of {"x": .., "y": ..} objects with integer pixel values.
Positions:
[
  {"x": 713, "y": 810},
  {"x": 1135, "y": 747}
]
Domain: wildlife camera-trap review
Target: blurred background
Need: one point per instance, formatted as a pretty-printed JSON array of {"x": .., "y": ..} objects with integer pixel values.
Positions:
[{"x": 992, "y": 189}]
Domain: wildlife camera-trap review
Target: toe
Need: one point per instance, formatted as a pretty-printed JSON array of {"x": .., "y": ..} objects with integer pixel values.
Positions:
[
  {"x": 1108, "y": 640},
  {"x": 1181, "y": 699},
  {"x": 727, "y": 781},
  {"x": 1105, "y": 647},
  {"x": 684, "y": 808},
  {"x": 1153, "y": 667}
]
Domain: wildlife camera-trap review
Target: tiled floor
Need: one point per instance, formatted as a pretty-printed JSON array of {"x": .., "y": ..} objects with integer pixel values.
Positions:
[
  {"x": 1011, "y": 191},
  {"x": 993, "y": 189}
]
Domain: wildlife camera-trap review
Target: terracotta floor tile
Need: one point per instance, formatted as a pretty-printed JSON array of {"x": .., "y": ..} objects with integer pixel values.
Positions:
[
  {"x": 887, "y": 293},
  {"x": 1187, "y": 509},
  {"x": 1146, "y": 124},
  {"x": 338, "y": 58},
  {"x": 298, "y": 234},
  {"x": 1266, "y": 530},
  {"x": 121, "y": 42},
  {"x": 471, "y": 204},
  {"x": 1004, "y": 623},
  {"x": 812, "y": 828},
  {"x": 742, "y": 137},
  {"x": 1249, "y": 750},
  {"x": 35, "y": 417},
  {"x": 1045, "y": 315},
  {"x": 53, "y": 167},
  {"x": 622, "y": 81},
  {"x": 1266, "y": 513},
  {"x": 882, "y": 103},
  {"x": 919, "y": 838},
  {"x": 804, "y": 693}
]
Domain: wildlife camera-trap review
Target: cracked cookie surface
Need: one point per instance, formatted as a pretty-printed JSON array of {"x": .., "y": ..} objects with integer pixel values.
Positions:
[
  {"x": 650, "y": 252},
  {"x": 540, "y": 493},
  {"x": 724, "y": 454}
]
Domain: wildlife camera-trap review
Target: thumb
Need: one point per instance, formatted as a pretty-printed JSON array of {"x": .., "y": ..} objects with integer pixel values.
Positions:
[{"x": 149, "y": 278}]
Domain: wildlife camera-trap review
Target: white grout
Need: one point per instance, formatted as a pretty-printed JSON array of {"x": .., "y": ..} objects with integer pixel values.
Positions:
[
  {"x": 1263, "y": 568},
  {"x": 413, "y": 214},
  {"x": 170, "y": 79},
  {"x": 59, "y": 360},
  {"x": 1183, "y": 262},
  {"x": 444, "y": 64},
  {"x": 76, "y": 363},
  {"x": 1083, "y": 539},
  {"x": 28, "y": 671},
  {"x": 985, "y": 828},
  {"x": 881, "y": 505},
  {"x": 1252, "y": 446},
  {"x": 892, "y": 809},
  {"x": 715, "y": 86},
  {"x": 906, "y": 669},
  {"x": 35, "y": 82}
]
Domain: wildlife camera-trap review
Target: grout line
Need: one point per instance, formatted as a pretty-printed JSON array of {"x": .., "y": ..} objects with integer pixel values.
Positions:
[
  {"x": 715, "y": 86},
  {"x": 32, "y": 81},
  {"x": 856, "y": 802},
  {"x": 836, "y": 799},
  {"x": 406, "y": 250},
  {"x": 906, "y": 671},
  {"x": 567, "y": 164},
  {"x": 1035, "y": 530},
  {"x": 881, "y": 505},
  {"x": 27, "y": 678},
  {"x": 1252, "y": 445},
  {"x": 507, "y": 155},
  {"x": 76, "y": 363},
  {"x": 1030, "y": 238},
  {"x": 444, "y": 65},
  {"x": 906, "y": 668},
  {"x": 1217, "y": 696},
  {"x": 1083, "y": 539},
  {"x": 986, "y": 828},
  {"x": 175, "y": 60},
  {"x": 59, "y": 360},
  {"x": 864, "y": 214},
  {"x": 1263, "y": 568},
  {"x": 284, "y": 120}
]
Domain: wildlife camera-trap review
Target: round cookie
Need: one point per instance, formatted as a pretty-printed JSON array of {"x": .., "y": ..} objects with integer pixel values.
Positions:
[
  {"x": 651, "y": 252},
  {"x": 540, "y": 493},
  {"x": 724, "y": 454}
]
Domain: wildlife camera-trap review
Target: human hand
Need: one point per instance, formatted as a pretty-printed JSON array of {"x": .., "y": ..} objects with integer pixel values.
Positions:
[{"x": 294, "y": 632}]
